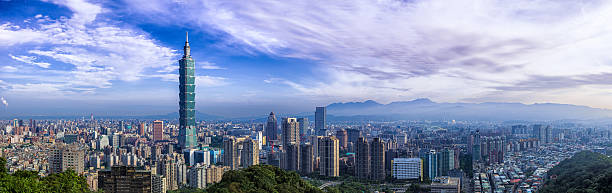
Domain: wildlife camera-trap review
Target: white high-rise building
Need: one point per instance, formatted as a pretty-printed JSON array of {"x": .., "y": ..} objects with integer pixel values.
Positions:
[
  {"x": 197, "y": 176},
  {"x": 407, "y": 168}
]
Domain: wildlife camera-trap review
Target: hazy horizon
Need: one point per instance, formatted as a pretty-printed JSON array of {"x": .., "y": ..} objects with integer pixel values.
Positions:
[{"x": 121, "y": 58}]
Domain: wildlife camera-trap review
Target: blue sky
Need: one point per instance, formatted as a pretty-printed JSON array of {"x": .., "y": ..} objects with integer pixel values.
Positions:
[{"x": 67, "y": 57}]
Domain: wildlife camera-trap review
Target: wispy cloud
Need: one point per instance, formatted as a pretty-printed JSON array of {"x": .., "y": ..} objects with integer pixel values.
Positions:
[
  {"x": 446, "y": 50},
  {"x": 30, "y": 60},
  {"x": 210, "y": 66},
  {"x": 98, "y": 52}
]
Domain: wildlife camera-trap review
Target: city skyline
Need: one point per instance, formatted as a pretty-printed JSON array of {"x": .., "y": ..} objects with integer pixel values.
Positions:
[{"x": 120, "y": 58}]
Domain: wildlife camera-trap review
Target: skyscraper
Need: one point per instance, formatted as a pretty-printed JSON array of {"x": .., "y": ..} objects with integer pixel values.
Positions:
[
  {"x": 320, "y": 115},
  {"x": 343, "y": 137},
  {"x": 187, "y": 130},
  {"x": 304, "y": 128},
  {"x": 158, "y": 130},
  {"x": 271, "y": 128},
  {"x": 362, "y": 158},
  {"x": 306, "y": 158},
  {"x": 290, "y": 131},
  {"x": 329, "y": 151},
  {"x": 231, "y": 153},
  {"x": 250, "y": 153},
  {"x": 377, "y": 164}
]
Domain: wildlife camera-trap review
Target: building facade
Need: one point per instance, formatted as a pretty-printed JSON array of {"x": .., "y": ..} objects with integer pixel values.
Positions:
[{"x": 187, "y": 123}]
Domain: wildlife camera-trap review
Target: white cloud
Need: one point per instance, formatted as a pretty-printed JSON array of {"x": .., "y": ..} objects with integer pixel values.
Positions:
[
  {"x": 209, "y": 66},
  {"x": 398, "y": 50},
  {"x": 8, "y": 69},
  {"x": 210, "y": 81},
  {"x": 98, "y": 52},
  {"x": 30, "y": 60}
]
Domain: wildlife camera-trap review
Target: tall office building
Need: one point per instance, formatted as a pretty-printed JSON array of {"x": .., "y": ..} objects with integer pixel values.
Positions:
[
  {"x": 548, "y": 134},
  {"x": 430, "y": 164},
  {"x": 250, "y": 153},
  {"x": 306, "y": 158},
  {"x": 446, "y": 161},
  {"x": 142, "y": 129},
  {"x": 158, "y": 130},
  {"x": 353, "y": 135},
  {"x": 342, "y": 137},
  {"x": 476, "y": 148},
  {"x": 320, "y": 116},
  {"x": 271, "y": 128},
  {"x": 377, "y": 164},
  {"x": 64, "y": 157},
  {"x": 329, "y": 151},
  {"x": 362, "y": 159},
  {"x": 539, "y": 133},
  {"x": 187, "y": 124},
  {"x": 124, "y": 179},
  {"x": 290, "y": 131}
]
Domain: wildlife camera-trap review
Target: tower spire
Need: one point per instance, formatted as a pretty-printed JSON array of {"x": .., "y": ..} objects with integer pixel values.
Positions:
[{"x": 186, "y": 49}]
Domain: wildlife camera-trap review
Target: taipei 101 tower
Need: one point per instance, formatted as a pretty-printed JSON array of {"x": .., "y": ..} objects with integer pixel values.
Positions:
[{"x": 187, "y": 128}]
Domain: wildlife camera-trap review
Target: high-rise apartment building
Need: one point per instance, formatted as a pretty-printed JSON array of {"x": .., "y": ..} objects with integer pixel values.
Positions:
[
  {"x": 271, "y": 129},
  {"x": 158, "y": 184},
  {"x": 197, "y": 176},
  {"x": 250, "y": 153},
  {"x": 306, "y": 158},
  {"x": 142, "y": 128},
  {"x": 320, "y": 116},
  {"x": 187, "y": 124},
  {"x": 158, "y": 130},
  {"x": 362, "y": 158},
  {"x": 377, "y": 164},
  {"x": 329, "y": 153},
  {"x": 124, "y": 179},
  {"x": 231, "y": 153},
  {"x": 290, "y": 131},
  {"x": 64, "y": 157},
  {"x": 290, "y": 158},
  {"x": 304, "y": 126}
]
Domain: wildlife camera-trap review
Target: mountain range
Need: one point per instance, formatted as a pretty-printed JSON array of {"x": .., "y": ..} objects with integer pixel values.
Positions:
[{"x": 425, "y": 109}]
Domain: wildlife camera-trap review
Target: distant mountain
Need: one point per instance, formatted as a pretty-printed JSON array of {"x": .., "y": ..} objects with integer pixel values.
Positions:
[{"x": 425, "y": 109}]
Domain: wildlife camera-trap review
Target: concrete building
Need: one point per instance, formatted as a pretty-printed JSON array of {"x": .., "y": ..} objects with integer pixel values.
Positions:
[
  {"x": 214, "y": 173},
  {"x": 320, "y": 121},
  {"x": 158, "y": 130},
  {"x": 362, "y": 158},
  {"x": 124, "y": 179},
  {"x": 64, "y": 157},
  {"x": 306, "y": 159},
  {"x": 343, "y": 138},
  {"x": 271, "y": 129},
  {"x": 329, "y": 152},
  {"x": 158, "y": 184},
  {"x": 407, "y": 168},
  {"x": 446, "y": 185},
  {"x": 290, "y": 131},
  {"x": 250, "y": 153},
  {"x": 197, "y": 177},
  {"x": 377, "y": 164}
]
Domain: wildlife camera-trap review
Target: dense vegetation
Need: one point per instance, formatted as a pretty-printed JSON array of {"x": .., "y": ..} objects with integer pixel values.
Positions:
[
  {"x": 29, "y": 181},
  {"x": 262, "y": 178},
  {"x": 584, "y": 172}
]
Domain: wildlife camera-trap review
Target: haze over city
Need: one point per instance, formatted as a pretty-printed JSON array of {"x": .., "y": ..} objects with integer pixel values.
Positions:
[{"x": 77, "y": 57}]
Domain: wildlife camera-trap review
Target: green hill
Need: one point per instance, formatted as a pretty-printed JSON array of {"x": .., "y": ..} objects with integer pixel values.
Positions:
[
  {"x": 584, "y": 172},
  {"x": 29, "y": 181},
  {"x": 264, "y": 179}
]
